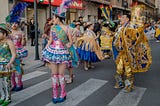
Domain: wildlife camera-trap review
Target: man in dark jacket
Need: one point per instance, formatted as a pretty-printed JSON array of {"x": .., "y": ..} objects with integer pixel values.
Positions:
[{"x": 97, "y": 29}]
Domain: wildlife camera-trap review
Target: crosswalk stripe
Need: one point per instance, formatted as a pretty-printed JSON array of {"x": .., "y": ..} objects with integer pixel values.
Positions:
[
  {"x": 27, "y": 93},
  {"x": 128, "y": 99},
  {"x": 81, "y": 92},
  {"x": 33, "y": 75}
]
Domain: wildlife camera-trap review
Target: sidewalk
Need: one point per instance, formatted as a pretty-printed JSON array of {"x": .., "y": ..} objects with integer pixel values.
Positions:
[{"x": 30, "y": 61}]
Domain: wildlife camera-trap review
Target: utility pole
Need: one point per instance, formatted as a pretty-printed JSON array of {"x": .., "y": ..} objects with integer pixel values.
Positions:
[
  {"x": 50, "y": 9},
  {"x": 36, "y": 31}
]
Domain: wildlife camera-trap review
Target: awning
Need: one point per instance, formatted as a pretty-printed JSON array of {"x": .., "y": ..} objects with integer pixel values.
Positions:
[
  {"x": 77, "y": 4},
  {"x": 102, "y": 1}
]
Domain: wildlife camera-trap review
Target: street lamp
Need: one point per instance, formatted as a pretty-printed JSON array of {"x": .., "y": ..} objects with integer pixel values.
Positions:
[
  {"x": 36, "y": 31},
  {"x": 50, "y": 9},
  {"x": 125, "y": 5}
]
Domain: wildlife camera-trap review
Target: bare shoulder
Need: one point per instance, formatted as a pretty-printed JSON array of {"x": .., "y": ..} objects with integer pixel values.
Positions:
[{"x": 9, "y": 42}]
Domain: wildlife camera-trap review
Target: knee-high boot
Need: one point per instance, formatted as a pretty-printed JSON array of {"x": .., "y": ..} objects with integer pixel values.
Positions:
[
  {"x": 55, "y": 88},
  {"x": 7, "y": 89},
  {"x": 20, "y": 84},
  {"x": 63, "y": 85},
  {"x": 2, "y": 91},
  {"x": 13, "y": 81}
]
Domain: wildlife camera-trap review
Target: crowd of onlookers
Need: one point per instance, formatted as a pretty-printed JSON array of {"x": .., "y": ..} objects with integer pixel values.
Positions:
[{"x": 152, "y": 30}]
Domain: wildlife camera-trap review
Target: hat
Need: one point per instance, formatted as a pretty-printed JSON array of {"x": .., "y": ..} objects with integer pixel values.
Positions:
[
  {"x": 5, "y": 27},
  {"x": 61, "y": 11},
  {"x": 78, "y": 23},
  {"x": 58, "y": 13},
  {"x": 16, "y": 13},
  {"x": 88, "y": 24}
]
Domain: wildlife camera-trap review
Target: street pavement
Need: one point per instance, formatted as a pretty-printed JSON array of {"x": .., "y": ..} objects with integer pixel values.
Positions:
[{"x": 90, "y": 88}]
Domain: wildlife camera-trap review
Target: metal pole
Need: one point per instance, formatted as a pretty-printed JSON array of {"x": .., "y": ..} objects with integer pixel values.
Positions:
[
  {"x": 36, "y": 31},
  {"x": 50, "y": 9}
]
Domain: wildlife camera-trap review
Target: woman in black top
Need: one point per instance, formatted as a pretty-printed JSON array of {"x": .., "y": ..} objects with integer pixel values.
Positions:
[{"x": 32, "y": 32}]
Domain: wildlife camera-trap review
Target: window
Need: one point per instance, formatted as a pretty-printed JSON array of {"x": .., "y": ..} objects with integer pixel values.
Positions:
[{"x": 10, "y": 1}]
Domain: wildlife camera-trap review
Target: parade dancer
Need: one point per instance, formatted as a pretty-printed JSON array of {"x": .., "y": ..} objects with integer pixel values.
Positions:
[
  {"x": 7, "y": 56},
  {"x": 19, "y": 40},
  {"x": 76, "y": 33},
  {"x": 88, "y": 47},
  {"x": 131, "y": 52},
  {"x": 56, "y": 54},
  {"x": 157, "y": 35}
]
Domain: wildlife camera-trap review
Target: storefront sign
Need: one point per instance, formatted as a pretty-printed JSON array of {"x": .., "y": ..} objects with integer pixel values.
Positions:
[{"x": 75, "y": 4}]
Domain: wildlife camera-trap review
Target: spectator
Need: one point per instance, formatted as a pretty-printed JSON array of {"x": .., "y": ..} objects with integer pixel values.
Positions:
[
  {"x": 32, "y": 32},
  {"x": 73, "y": 24},
  {"x": 97, "y": 29}
]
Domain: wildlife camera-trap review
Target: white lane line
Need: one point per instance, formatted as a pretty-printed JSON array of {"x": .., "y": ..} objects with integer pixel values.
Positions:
[
  {"x": 128, "y": 99},
  {"x": 27, "y": 93},
  {"x": 81, "y": 92},
  {"x": 33, "y": 75}
]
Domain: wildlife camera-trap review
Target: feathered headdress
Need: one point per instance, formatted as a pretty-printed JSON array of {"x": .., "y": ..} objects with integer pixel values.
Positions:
[
  {"x": 61, "y": 11},
  {"x": 137, "y": 13},
  {"x": 16, "y": 12},
  {"x": 107, "y": 12}
]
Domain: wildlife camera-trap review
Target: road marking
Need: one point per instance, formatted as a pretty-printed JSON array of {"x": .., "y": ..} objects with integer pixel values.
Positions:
[
  {"x": 128, "y": 99},
  {"x": 78, "y": 94},
  {"x": 27, "y": 93},
  {"x": 33, "y": 75}
]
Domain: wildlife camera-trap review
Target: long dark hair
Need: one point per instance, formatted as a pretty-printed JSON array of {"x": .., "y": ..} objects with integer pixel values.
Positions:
[{"x": 62, "y": 19}]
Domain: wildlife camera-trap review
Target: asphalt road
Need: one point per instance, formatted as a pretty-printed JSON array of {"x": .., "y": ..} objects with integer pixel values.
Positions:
[{"x": 93, "y": 87}]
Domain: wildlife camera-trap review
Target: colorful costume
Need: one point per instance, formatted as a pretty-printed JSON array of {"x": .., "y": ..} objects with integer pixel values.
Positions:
[
  {"x": 106, "y": 42},
  {"x": 21, "y": 53},
  {"x": 88, "y": 47},
  {"x": 57, "y": 53},
  {"x": 14, "y": 17},
  {"x": 158, "y": 33},
  {"x": 131, "y": 53},
  {"x": 5, "y": 74}
]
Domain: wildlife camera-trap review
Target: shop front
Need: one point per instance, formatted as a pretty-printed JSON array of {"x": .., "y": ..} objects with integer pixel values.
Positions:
[{"x": 43, "y": 11}]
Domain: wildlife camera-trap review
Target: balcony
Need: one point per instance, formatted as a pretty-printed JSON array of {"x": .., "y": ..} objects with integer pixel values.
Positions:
[{"x": 149, "y": 3}]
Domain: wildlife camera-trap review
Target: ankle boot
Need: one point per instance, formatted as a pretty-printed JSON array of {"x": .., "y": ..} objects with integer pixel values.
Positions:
[
  {"x": 119, "y": 81},
  {"x": 129, "y": 83}
]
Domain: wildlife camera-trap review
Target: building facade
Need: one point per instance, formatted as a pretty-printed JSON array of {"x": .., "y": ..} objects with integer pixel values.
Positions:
[
  {"x": 120, "y": 7},
  {"x": 43, "y": 10},
  {"x": 150, "y": 9},
  {"x": 157, "y": 4}
]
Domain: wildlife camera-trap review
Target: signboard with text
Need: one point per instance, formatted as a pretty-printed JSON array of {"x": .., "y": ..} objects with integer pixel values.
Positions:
[{"x": 74, "y": 4}]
